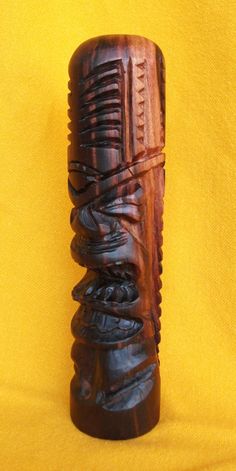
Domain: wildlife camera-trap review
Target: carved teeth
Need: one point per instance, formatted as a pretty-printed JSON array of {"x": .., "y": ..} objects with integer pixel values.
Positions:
[
  {"x": 113, "y": 283},
  {"x": 116, "y": 292},
  {"x": 119, "y": 295},
  {"x": 108, "y": 293},
  {"x": 129, "y": 294},
  {"x": 97, "y": 293},
  {"x": 89, "y": 290},
  {"x": 118, "y": 270}
]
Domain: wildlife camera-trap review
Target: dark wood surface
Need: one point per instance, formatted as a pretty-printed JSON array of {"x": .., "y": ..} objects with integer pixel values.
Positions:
[{"x": 116, "y": 184}]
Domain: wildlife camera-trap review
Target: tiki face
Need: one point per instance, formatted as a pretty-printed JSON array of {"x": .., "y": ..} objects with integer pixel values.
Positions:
[{"x": 116, "y": 186}]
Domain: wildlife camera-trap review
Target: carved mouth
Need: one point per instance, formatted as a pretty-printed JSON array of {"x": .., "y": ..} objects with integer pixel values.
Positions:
[
  {"x": 97, "y": 327},
  {"x": 96, "y": 246},
  {"x": 112, "y": 291},
  {"x": 119, "y": 270},
  {"x": 112, "y": 283}
]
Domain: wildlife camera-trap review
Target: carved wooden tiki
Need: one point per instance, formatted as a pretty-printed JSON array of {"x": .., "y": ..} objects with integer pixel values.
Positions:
[{"x": 116, "y": 184}]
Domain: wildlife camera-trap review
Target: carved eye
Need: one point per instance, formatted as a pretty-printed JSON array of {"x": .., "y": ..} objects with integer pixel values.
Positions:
[
  {"x": 129, "y": 206},
  {"x": 128, "y": 211},
  {"x": 93, "y": 221}
]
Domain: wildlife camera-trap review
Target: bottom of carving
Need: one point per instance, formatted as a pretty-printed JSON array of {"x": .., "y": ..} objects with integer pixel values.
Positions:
[{"x": 117, "y": 423}]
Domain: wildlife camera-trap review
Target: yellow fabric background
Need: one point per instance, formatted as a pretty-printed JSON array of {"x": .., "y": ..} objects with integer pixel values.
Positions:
[{"x": 198, "y": 349}]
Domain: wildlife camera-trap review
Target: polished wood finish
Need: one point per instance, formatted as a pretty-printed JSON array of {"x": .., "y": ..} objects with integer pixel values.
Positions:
[{"x": 116, "y": 184}]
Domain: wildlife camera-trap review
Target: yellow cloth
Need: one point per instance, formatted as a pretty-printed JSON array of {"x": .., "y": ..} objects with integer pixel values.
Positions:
[{"x": 198, "y": 349}]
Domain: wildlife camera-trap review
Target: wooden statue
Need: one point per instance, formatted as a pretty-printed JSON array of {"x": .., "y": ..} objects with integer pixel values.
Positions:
[{"x": 116, "y": 184}]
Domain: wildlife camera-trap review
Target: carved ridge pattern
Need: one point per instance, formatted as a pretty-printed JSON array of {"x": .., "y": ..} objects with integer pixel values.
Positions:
[
  {"x": 140, "y": 71},
  {"x": 113, "y": 173},
  {"x": 101, "y": 89}
]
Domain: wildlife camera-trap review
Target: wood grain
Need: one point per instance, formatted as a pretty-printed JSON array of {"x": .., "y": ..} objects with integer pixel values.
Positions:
[{"x": 116, "y": 184}]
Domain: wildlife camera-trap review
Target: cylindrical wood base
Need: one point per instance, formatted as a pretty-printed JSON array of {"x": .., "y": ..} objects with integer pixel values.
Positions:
[{"x": 118, "y": 425}]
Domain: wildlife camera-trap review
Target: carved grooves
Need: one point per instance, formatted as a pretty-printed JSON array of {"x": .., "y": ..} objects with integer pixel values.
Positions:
[
  {"x": 132, "y": 390},
  {"x": 100, "y": 123},
  {"x": 130, "y": 107},
  {"x": 157, "y": 260}
]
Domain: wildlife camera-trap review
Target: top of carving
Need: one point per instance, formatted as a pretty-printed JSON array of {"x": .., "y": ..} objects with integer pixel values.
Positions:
[
  {"x": 116, "y": 101},
  {"x": 126, "y": 41}
]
